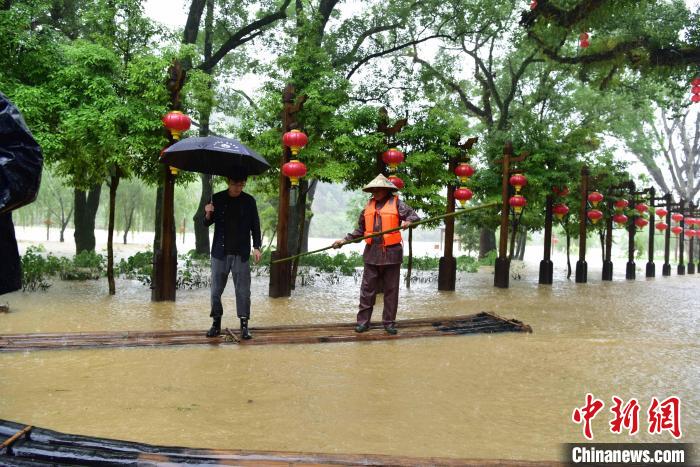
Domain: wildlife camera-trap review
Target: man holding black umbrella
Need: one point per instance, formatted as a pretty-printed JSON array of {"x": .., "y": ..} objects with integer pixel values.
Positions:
[{"x": 234, "y": 214}]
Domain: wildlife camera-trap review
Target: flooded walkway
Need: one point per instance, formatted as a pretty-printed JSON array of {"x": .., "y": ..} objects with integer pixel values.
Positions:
[{"x": 480, "y": 396}]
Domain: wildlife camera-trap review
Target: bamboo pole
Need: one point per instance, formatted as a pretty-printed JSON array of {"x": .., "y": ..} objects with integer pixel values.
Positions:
[{"x": 376, "y": 234}]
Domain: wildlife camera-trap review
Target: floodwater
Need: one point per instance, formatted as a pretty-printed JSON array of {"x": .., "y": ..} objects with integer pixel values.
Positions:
[{"x": 504, "y": 396}]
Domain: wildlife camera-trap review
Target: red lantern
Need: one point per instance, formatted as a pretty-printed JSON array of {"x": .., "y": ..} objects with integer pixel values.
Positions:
[
  {"x": 463, "y": 195},
  {"x": 295, "y": 140},
  {"x": 398, "y": 183},
  {"x": 641, "y": 222},
  {"x": 695, "y": 82},
  {"x": 620, "y": 219},
  {"x": 464, "y": 171},
  {"x": 641, "y": 208},
  {"x": 560, "y": 210},
  {"x": 393, "y": 157},
  {"x": 691, "y": 233},
  {"x": 294, "y": 170},
  {"x": 533, "y": 4},
  {"x": 661, "y": 212},
  {"x": 695, "y": 98},
  {"x": 560, "y": 191},
  {"x": 695, "y": 90},
  {"x": 517, "y": 202},
  {"x": 621, "y": 204},
  {"x": 595, "y": 198},
  {"x": 676, "y": 230},
  {"x": 594, "y": 215},
  {"x": 661, "y": 226},
  {"x": 176, "y": 122},
  {"x": 518, "y": 181},
  {"x": 677, "y": 217}
]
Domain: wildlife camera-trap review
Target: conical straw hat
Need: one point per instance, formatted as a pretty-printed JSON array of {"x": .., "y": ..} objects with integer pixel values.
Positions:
[{"x": 380, "y": 181}]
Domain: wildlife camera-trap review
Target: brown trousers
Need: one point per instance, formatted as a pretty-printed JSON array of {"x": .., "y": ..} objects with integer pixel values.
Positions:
[{"x": 388, "y": 274}]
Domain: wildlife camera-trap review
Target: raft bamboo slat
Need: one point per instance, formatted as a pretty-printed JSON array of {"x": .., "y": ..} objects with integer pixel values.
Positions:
[
  {"x": 48, "y": 447},
  {"x": 483, "y": 322}
]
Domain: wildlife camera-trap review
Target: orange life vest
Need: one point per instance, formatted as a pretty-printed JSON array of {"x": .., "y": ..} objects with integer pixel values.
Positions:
[{"x": 389, "y": 214}]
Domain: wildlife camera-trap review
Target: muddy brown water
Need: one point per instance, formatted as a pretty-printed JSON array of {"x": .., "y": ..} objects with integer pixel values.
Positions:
[{"x": 478, "y": 396}]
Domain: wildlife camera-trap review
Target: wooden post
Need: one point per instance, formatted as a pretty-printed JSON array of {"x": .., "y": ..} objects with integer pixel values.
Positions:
[
  {"x": 681, "y": 240},
  {"x": 666, "y": 268},
  {"x": 692, "y": 211},
  {"x": 581, "y": 265},
  {"x": 165, "y": 267},
  {"x": 280, "y": 273},
  {"x": 546, "y": 265},
  {"x": 447, "y": 272},
  {"x": 631, "y": 267},
  {"x": 651, "y": 267},
  {"x": 607, "y": 261},
  {"x": 165, "y": 257},
  {"x": 502, "y": 268}
]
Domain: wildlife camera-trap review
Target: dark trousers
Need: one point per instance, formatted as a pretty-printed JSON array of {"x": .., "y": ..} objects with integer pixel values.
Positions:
[
  {"x": 374, "y": 275},
  {"x": 240, "y": 270}
]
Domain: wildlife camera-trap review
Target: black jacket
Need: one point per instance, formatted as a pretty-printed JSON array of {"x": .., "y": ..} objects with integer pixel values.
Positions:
[
  {"x": 20, "y": 175},
  {"x": 248, "y": 220}
]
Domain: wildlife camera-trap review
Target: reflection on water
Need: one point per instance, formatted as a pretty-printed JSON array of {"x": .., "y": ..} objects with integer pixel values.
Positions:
[{"x": 499, "y": 396}]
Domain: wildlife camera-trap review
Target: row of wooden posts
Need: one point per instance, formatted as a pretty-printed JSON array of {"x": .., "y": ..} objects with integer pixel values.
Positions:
[
  {"x": 165, "y": 258},
  {"x": 628, "y": 189}
]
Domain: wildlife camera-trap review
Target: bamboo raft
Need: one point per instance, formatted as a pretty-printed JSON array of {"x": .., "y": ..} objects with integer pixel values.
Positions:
[
  {"x": 26, "y": 445},
  {"x": 483, "y": 322}
]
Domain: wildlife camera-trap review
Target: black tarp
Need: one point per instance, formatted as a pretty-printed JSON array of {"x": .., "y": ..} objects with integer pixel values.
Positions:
[{"x": 20, "y": 175}]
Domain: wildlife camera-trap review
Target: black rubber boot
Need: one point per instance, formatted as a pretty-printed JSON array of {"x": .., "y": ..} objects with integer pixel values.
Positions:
[
  {"x": 244, "y": 329},
  {"x": 215, "y": 329}
]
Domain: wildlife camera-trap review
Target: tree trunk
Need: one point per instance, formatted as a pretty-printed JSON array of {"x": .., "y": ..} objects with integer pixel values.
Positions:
[
  {"x": 601, "y": 234},
  {"x": 522, "y": 241},
  {"x": 129, "y": 219},
  {"x": 64, "y": 222},
  {"x": 297, "y": 223},
  {"x": 201, "y": 231},
  {"x": 568, "y": 254},
  {"x": 113, "y": 185},
  {"x": 86, "y": 205},
  {"x": 487, "y": 242}
]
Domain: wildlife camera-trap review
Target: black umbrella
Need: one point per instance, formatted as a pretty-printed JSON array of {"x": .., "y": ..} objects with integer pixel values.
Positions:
[{"x": 214, "y": 155}]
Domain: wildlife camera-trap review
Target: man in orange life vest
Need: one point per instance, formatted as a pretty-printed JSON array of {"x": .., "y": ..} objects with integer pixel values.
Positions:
[{"x": 383, "y": 254}]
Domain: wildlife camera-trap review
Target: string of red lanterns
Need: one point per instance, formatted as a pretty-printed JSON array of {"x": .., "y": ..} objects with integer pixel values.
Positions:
[
  {"x": 695, "y": 90},
  {"x": 517, "y": 201},
  {"x": 294, "y": 169},
  {"x": 463, "y": 194}
]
